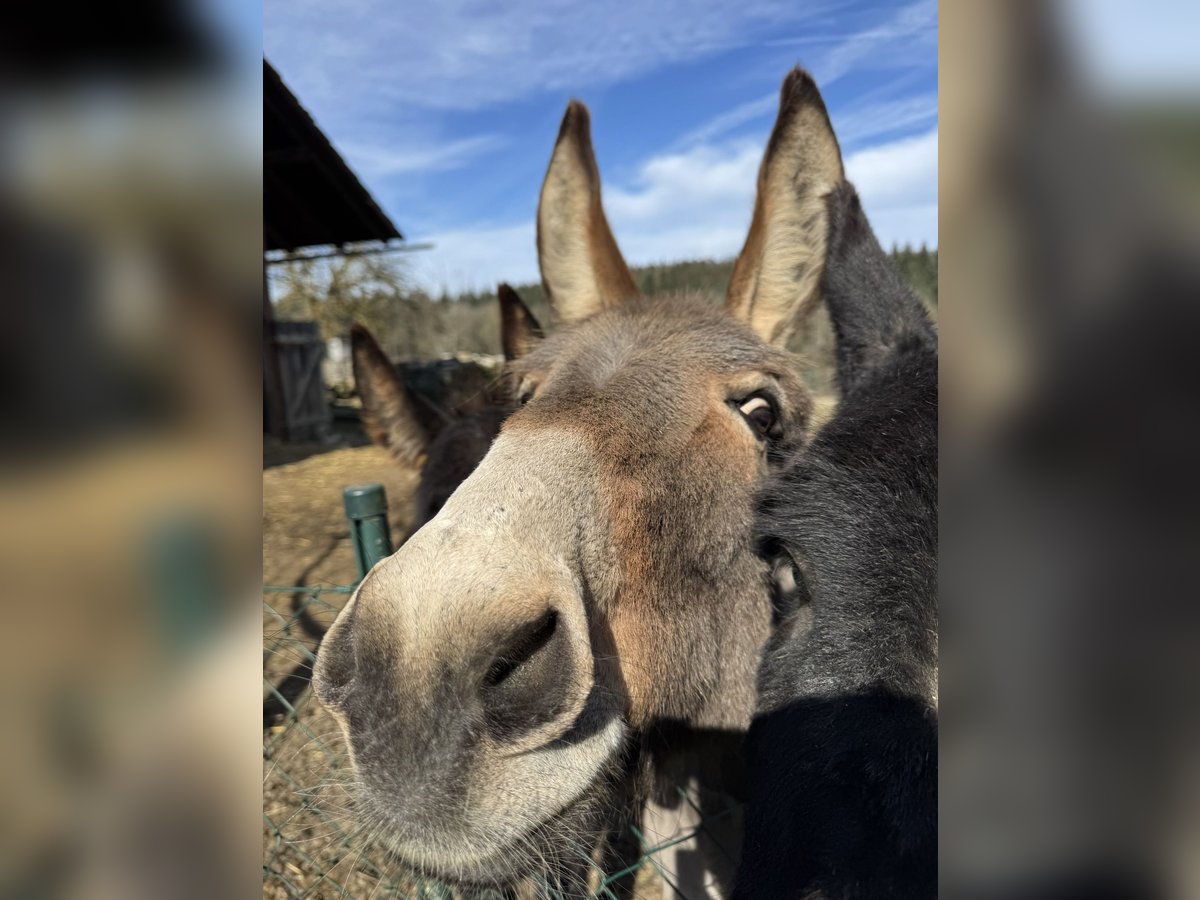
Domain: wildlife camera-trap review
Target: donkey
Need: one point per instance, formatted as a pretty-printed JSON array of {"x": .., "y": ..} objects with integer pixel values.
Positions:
[
  {"x": 842, "y": 755},
  {"x": 444, "y": 444},
  {"x": 513, "y": 682}
]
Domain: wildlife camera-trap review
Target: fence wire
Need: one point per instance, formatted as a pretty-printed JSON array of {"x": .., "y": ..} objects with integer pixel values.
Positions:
[{"x": 311, "y": 846}]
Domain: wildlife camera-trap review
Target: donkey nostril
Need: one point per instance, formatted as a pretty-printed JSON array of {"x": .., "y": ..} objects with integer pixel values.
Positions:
[
  {"x": 525, "y": 644},
  {"x": 526, "y": 685}
]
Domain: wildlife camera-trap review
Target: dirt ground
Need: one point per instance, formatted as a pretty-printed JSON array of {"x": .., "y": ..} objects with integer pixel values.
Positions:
[
  {"x": 303, "y": 518},
  {"x": 306, "y": 540}
]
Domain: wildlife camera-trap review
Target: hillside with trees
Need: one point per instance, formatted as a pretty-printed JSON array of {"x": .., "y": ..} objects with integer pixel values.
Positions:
[{"x": 412, "y": 325}]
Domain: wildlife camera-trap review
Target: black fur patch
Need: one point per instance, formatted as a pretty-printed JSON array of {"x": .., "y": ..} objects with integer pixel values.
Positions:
[{"x": 842, "y": 755}]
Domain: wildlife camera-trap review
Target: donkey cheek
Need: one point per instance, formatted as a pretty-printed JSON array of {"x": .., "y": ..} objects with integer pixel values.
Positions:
[
  {"x": 662, "y": 675},
  {"x": 642, "y": 664}
]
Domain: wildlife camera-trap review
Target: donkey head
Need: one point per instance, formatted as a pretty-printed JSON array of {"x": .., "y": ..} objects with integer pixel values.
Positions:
[{"x": 594, "y": 578}]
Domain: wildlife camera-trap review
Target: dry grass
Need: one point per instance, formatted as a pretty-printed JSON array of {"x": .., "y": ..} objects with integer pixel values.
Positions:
[{"x": 307, "y": 851}]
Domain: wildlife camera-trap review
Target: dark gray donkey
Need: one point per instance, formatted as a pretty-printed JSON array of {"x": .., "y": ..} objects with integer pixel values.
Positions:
[{"x": 842, "y": 754}]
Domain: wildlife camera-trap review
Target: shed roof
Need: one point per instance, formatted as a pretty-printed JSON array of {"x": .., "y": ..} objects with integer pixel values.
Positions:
[{"x": 310, "y": 196}]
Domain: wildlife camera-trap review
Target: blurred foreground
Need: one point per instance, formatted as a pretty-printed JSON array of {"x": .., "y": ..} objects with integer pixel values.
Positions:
[
  {"x": 1070, "y": 284},
  {"x": 131, "y": 214}
]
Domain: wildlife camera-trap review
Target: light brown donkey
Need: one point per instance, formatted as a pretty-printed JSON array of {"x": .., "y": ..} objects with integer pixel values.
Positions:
[{"x": 513, "y": 679}]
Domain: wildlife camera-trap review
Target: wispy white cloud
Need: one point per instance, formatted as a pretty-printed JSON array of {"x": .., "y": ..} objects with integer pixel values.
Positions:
[
  {"x": 696, "y": 203},
  {"x": 434, "y": 156},
  {"x": 722, "y": 124},
  {"x": 855, "y": 125},
  {"x": 463, "y": 55},
  {"x": 910, "y": 34}
]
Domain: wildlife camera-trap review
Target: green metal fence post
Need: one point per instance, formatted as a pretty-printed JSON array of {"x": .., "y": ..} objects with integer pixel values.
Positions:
[{"x": 366, "y": 508}]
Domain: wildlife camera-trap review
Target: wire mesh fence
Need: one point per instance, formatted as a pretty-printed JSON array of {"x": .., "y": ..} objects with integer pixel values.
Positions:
[{"x": 312, "y": 847}]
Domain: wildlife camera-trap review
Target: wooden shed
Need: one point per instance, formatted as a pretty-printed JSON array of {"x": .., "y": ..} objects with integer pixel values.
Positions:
[{"x": 312, "y": 204}]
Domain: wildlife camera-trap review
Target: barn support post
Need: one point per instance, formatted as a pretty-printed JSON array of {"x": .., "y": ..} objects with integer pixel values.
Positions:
[{"x": 275, "y": 415}]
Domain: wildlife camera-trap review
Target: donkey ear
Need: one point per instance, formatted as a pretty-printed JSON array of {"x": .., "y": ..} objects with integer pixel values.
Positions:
[
  {"x": 776, "y": 279},
  {"x": 389, "y": 415},
  {"x": 519, "y": 330},
  {"x": 582, "y": 269}
]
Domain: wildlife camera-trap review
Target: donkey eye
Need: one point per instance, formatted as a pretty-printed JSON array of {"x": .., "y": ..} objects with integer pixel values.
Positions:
[
  {"x": 525, "y": 394},
  {"x": 760, "y": 414}
]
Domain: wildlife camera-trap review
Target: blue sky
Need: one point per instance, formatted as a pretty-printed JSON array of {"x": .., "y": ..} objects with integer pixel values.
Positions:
[{"x": 448, "y": 113}]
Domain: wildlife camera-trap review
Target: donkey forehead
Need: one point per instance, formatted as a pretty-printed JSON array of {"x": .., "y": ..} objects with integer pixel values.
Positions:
[{"x": 646, "y": 346}]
